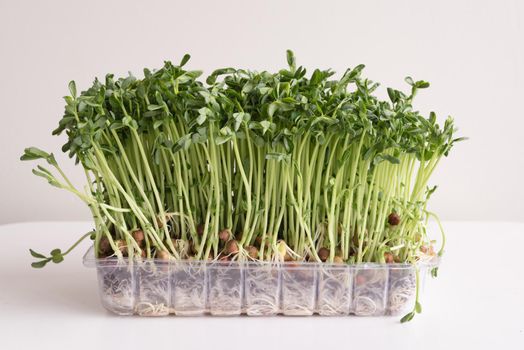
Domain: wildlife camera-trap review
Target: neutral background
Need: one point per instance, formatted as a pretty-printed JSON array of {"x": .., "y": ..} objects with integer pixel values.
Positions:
[{"x": 472, "y": 52}]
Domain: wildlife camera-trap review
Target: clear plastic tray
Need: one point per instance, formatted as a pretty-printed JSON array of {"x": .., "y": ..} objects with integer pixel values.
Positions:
[{"x": 192, "y": 288}]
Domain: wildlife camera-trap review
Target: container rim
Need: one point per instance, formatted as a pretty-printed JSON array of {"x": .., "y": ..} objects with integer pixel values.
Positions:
[{"x": 90, "y": 261}]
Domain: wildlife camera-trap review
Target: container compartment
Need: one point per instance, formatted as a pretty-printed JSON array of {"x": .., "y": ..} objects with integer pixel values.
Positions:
[
  {"x": 262, "y": 289},
  {"x": 225, "y": 288},
  {"x": 401, "y": 289},
  {"x": 334, "y": 290},
  {"x": 117, "y": 286},
  {"x": 370, "y": 290},
  {"x": 299, "y": 284},
  {"x": 154, "y": 292},
  {"x": 188, "y": 288}
]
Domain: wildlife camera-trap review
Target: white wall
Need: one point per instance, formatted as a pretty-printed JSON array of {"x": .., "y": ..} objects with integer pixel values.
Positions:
[{"x": 472, "y": 52}]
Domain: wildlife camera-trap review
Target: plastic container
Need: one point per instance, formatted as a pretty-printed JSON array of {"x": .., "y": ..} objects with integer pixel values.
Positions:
[{"x": 192, "y": 288}]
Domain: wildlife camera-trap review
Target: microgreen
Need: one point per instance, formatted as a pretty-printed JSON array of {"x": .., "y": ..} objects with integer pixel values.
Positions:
[{"x": 286, "y": 159}]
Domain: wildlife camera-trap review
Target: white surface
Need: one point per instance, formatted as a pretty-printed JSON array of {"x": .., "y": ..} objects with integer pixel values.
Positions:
[
  {"x": 472, "y": 53},
  {"x": 476, "y": 303}
]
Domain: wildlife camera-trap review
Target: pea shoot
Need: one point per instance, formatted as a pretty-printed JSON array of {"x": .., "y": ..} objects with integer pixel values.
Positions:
[{"x": 244, "y": 165}]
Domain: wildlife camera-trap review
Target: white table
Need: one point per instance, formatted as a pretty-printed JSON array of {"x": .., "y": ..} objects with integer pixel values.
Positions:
[{"x": 477, "y": 302}]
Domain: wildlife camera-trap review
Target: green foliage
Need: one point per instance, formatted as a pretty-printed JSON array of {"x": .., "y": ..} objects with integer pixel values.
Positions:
[{"x": 305, "y": 159}]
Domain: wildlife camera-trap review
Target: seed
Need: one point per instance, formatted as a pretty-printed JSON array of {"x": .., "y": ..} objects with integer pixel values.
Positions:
[
  {"x": 104, "y": 246},
  {"x": 162, "y": 255},
  {"x": 232, "y": 247},
  {"x": 394, "y": 219},
  {"x": 200, "y": 229},
  {"x": 389, "y": 258},
  {"x": 224, "y": 235},
  {"x": 252, "y": 252},
  {"x": 139, "y": 237},
  {"x": 323, "y": 254},
  {"x": 424, "y": 249},
  {"x": 361, "y": 279},
  {"x": 338, "y": 260}
]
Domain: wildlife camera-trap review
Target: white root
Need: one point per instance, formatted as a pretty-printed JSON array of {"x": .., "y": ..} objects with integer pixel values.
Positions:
[
  {"x": 225, "y": 291},
  {"x": 298, "y": 292},
  {"x": 262, "y": 292},
  {"x": 189, "y": 290},
  {"x": 334, "y": 297},
  {"x": 401, "y": 293}
]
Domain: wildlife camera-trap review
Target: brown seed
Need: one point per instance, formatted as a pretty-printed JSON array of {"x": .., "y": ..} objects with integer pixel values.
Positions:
[
  {"x": 224, "y": 258},
  {"x": 389, "y": 258},
  {"x": 252, "y": 252},
  {"x": 200, "y": 229},
  {"x": 361, "y": 279},
  {"x": 424, "y": 249},
  {"x": 162, "y": 255},
  {"x": 232, "y": 247},
  {"x": 104, "y": 246},
  {"x": 288, "y": 257},
  {"x": 224, "y": 235},
  {"x": 394, "y": 219},
  {"x": 138, "y": 236},
  {"x": 338, "y": 260},
  {"x": 323, "y": 254}
]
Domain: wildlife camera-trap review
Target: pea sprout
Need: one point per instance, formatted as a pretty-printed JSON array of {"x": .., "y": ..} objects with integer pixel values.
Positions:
[{"x": 252, "y": 166}]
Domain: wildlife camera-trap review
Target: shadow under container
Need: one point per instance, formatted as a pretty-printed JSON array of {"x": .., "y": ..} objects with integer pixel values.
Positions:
[
  {"x": 262, "y": 288},
  {"x": 225, "y": 288},
  {"x": 299, "y": 289}
]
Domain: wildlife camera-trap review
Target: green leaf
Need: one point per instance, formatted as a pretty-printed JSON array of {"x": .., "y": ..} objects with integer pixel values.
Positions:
[
  {"x": 418, "y": 307},
  {"x": 72, "y": 88},
  {"x": 201, "y": 118},
  {"x": 222, "y": 139},
  {"x": 154, "y": 107},
  {"x": 57, "y": 258},
  {"x": 33, "y": 153},
  {"x": 272, "y": 109},
  {"x": 434, "y": 272},
  {"x": 407, "y": 317},
  {"x": 56, "y": 252},
  {"x": 157, "y": 124},
  {"x": 36, "y": 255},
  {"x": 39, "y": 264},
  {"x": 391, "y": 159},
  {"x": 421, "y": 84},
  {"x": 393, "y": 96},
  {"x": 410, "y": 81},
  {"x": 265, "y": 124},
  {"x": 291, "y": 60},
  {"x": 184, "y": 59}
]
